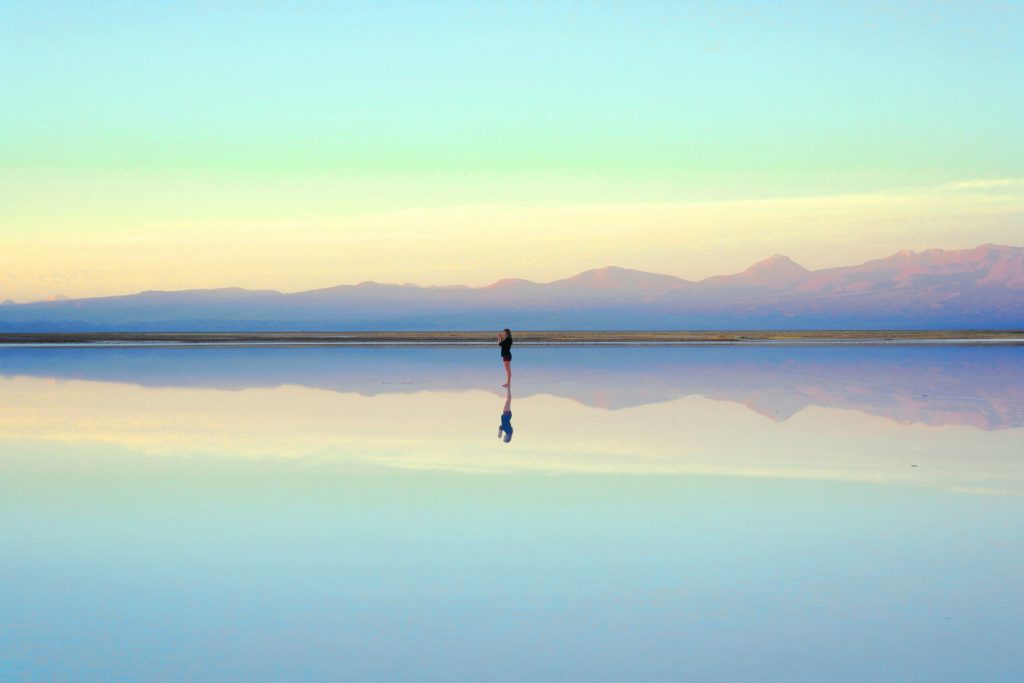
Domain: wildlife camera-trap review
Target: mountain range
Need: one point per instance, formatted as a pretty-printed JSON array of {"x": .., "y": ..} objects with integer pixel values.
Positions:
[{"x": 972, "y": 288}]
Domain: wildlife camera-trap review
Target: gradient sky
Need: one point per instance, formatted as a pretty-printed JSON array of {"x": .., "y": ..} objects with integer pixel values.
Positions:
[{"x": 261, "y": 144}]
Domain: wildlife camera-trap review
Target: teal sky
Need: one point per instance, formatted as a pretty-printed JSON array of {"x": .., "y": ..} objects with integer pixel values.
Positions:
[
  {"x": 914, "y": 94},
  {"x": 123, "y": 118}
]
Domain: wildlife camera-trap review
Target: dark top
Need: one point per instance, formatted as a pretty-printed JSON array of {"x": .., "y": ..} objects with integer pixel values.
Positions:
[
  {"x": 506, "y": 422},
  {"x": 506, "y": 347}
]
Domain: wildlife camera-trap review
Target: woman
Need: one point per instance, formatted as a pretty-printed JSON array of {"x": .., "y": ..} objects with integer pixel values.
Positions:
[{"x": 505, "y": 342}]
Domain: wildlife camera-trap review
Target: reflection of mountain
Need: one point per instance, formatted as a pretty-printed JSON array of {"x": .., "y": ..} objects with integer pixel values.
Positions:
[
  {"x": 976, "y": 288},
  {"x": 966, "y": 385}
]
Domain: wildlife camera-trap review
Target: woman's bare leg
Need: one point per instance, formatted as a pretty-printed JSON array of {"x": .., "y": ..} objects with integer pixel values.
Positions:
[{"x": 508, "y": 374}]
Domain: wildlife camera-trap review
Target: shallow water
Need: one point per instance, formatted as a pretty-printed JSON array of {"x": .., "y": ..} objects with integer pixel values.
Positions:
[{"x": 705, "y": 513}]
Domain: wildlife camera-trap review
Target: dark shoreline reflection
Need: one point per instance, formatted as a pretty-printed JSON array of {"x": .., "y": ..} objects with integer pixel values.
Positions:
[{"x": 982, "y": 387}]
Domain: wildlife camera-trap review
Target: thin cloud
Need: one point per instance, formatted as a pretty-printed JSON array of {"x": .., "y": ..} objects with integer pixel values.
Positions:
[{"x": 985, "y": 184}]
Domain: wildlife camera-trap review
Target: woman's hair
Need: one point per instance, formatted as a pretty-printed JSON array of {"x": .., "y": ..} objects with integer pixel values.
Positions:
[{"x": 508, "y": 332}]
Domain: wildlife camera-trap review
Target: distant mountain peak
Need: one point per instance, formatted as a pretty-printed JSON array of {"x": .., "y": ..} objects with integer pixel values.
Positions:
[
  {"x": 775, "y": 272},
  {"x": 510, "y": 282},
  {"x": 616, "y": 277},
  {"x": 777, "y": 263},
  {"x": 604, "y": 272},
  {"x": 997, "y": 250}
]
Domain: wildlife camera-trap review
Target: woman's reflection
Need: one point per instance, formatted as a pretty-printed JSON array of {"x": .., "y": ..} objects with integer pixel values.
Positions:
[{"x": 505, "y": 428}]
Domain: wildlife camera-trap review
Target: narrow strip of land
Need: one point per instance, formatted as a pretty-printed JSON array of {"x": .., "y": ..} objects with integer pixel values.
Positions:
[{"x": 524, "y": 337}]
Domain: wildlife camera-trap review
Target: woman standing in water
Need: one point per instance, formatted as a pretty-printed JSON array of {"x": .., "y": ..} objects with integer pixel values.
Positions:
[{"x": 505, "y": 341}]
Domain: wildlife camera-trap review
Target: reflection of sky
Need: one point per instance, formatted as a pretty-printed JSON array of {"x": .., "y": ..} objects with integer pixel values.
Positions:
[
  {"x": 176, "y": 521},
  {"x": 207, "y": 569}
]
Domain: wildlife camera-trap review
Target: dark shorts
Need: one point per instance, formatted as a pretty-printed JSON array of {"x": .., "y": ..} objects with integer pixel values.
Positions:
[{"x": 506, "y": 356}]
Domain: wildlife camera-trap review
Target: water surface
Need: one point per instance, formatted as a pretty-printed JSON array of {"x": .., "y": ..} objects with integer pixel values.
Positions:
[{"x": 709, "y": 513}]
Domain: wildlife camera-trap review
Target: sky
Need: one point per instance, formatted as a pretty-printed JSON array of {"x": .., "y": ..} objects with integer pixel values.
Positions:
[{"x": 171, "y": 145}]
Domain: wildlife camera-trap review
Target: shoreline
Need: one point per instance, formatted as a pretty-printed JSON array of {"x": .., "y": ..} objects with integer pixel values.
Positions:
[{"x": 526, "y": 338}]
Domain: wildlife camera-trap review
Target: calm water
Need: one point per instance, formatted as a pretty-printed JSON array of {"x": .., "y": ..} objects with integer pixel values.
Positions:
[{"x": 659, "y": 514}]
